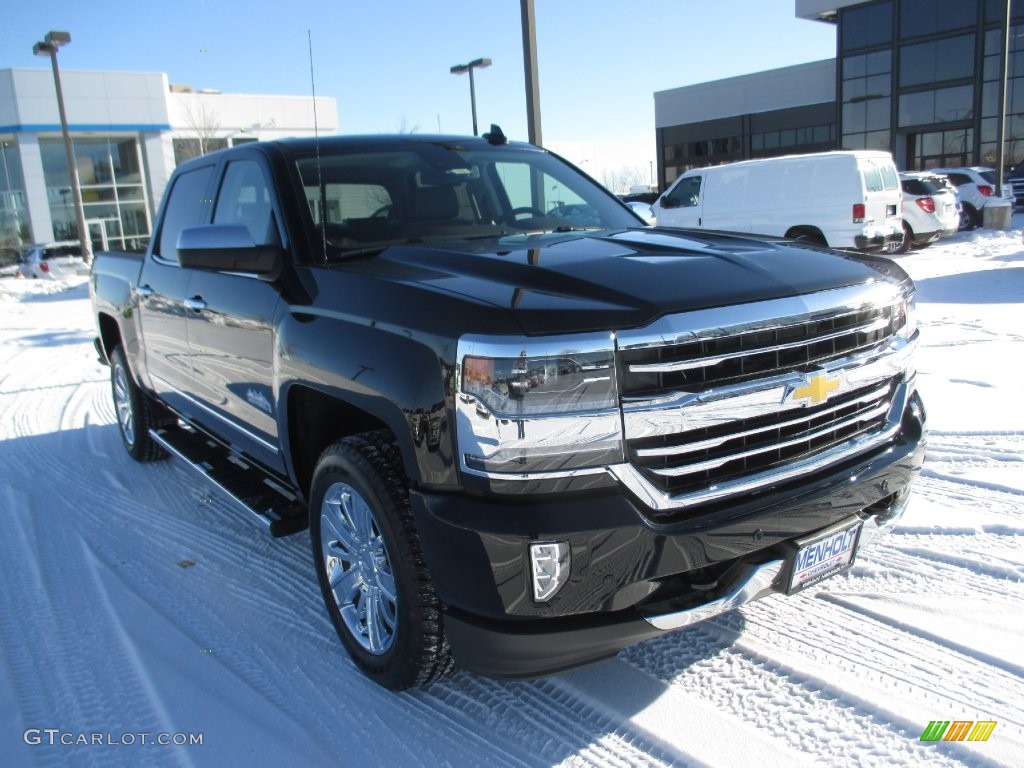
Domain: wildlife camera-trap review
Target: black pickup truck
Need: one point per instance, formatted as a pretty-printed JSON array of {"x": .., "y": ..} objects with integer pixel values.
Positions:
[{"x": 524, "y": 429}]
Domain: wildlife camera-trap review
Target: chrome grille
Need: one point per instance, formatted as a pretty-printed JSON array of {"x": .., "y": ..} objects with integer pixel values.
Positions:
[
  {"x": 696, "y": 459},
  {"x": 694, "y": 366},
  {"x": 711, "y": 399}
]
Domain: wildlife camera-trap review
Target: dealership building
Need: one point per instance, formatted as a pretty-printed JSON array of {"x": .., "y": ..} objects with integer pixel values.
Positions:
[
  {"x": 922, "y": 79},
  {"x": 129, "y": 130}
]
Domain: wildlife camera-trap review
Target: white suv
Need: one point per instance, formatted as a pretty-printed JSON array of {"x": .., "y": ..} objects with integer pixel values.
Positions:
[
  {"x": 929, "y": 211},
  {"x": 977, "y": 186}
]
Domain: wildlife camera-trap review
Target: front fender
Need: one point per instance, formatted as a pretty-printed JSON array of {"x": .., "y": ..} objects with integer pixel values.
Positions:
[{"x": 394, "y": 375}]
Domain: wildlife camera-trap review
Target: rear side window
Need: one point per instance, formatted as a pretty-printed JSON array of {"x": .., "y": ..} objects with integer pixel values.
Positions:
[
  {"x": 889, "y": 177},
  {"x": 62, "y": 250},
  {"x": 245, "y": 199},
  {"x": 872, "y": 178},
  {"x": 187, "y": 206}
]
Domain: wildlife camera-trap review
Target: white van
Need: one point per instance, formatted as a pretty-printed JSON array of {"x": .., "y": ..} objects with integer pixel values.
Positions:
[{"x": 845, "y": 199}]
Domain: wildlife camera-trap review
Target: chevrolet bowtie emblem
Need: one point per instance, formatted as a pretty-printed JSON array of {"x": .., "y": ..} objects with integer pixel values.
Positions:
[{"x": 817, "y": 388}]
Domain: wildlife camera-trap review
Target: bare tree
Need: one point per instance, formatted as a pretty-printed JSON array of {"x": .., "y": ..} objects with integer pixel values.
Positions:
[
  {"x": 625, "y": 177},
  {"x": 403, "y": 126},
  {"x": 204, "y": 123}
]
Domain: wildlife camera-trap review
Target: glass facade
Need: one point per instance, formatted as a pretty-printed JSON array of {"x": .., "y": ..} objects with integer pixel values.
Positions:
[
  {"x": 923, "y": 79},
  {"x": 113, "y": 190},
  {"x": 13, "y": 211}
]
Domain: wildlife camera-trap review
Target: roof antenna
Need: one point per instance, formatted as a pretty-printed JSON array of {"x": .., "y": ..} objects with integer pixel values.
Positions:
[
  {"x": 316, "y": 143},
  {"x": 495, "y": 136}
]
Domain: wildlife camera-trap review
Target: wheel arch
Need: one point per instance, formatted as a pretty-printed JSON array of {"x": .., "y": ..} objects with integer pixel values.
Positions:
[
  {"x": 806, "y": 232},
  {"x": 109, "y": 334},
  {"x": 317, "y": 418}
]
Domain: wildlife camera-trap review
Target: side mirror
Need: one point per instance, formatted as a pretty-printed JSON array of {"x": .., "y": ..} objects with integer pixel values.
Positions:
[
  {"x": 668, "y": 201},
  {"x": 228, "y": 248}
]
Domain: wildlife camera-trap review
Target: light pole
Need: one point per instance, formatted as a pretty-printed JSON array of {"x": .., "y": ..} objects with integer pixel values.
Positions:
[
  {"x": 458, "y": 69},
  {"x": 48, "y": 47}
]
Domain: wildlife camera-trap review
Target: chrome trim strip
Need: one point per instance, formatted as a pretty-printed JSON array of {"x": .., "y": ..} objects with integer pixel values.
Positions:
[
  {"x": 704, "y": 362},
  {"x": 762, "y": 315},
  {"x": 760, "y": 579},
  {"x": 633, "y": 479},
  {"x": 677, "y": 412},
  {"x": 703, "y": 466},
  {"x": 256, "y": 438},
  {"x": 701, "y": 445}
]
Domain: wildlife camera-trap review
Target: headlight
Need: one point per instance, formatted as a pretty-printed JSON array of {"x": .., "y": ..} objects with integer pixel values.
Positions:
[
  {"x": 529, "y": 407},
  {"x": 533, "y": 386},
  {"x": 905, "y": 316}
]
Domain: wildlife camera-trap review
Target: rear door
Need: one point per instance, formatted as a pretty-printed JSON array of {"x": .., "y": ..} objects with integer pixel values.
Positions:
[
  {"x": 231, "y": 322},
  {"x": 882, "y": 194}
]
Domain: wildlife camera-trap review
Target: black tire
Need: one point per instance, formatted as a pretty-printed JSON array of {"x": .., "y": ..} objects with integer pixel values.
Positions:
[
  {"x": 904, "y": 246},
  {"x": 134, "y": 411},
  {"x": 385, "y": 609},
  {"x": 970, "y": 218}
]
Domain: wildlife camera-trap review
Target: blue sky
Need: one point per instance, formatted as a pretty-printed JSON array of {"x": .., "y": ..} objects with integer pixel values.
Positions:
[{"x": 386, "y": 61}]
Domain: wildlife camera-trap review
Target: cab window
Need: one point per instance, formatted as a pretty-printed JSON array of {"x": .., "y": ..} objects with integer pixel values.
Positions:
[{"x": 188, "y": 205}]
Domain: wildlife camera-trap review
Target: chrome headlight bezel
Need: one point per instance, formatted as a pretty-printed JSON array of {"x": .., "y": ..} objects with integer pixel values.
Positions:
[{"x": 531, "y": 408}]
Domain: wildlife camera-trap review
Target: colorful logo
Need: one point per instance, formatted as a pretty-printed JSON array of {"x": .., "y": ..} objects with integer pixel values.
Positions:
[
  {"x": 958, "y": 730},
  {"x": 816, "y": 388}
]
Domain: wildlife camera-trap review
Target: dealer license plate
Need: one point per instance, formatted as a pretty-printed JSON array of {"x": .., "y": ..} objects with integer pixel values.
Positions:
[{"x": 824, "y": 554}]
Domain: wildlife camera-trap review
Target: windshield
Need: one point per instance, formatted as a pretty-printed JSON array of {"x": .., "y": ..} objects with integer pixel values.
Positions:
[{"x": 363, "y": 199}]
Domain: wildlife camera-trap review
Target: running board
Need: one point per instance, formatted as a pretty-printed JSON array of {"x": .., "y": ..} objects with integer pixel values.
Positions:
[{"x": 277, "y": 509}]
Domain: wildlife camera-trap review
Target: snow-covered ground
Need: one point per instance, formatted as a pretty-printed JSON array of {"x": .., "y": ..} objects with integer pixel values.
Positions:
[{"x": 136, "y": 601}]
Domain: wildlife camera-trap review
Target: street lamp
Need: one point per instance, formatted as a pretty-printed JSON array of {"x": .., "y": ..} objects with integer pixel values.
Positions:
[
  {"x": 458, "y": 69},
  {"x": 48, "y": 47}
]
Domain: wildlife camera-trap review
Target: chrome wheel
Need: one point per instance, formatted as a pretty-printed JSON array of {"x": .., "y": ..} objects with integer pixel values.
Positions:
[
  {"x": 358, "y": 568},
  {"x": 123, "y": 404}
]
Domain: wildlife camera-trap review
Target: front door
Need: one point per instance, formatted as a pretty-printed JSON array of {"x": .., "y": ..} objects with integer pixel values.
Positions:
[
  {"x": 231, "y": 325},
  {"x": 163, "y": 287}
]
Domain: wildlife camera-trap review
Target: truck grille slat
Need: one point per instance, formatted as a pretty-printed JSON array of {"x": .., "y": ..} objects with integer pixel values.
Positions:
[
  {"x": 724, "y": 405},
  {"x": 697, "y": 365}
]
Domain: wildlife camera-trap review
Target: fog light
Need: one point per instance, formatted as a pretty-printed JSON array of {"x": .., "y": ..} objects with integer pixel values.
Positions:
[{"x": 550, "y": 564}]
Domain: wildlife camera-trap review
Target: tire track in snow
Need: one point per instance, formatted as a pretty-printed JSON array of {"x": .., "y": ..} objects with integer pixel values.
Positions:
[
  {"x": 561, "y": 726},
  {"x": 807, "y": 713}
]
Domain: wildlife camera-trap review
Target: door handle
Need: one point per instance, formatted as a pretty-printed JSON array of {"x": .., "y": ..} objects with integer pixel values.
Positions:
[
  {"x": 144, "y": 291},
  {"x": 196, "y": 304}
]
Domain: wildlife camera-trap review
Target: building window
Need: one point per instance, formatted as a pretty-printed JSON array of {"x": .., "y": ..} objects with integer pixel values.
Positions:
[
  {"x": 186, "y": 149},
  {"x": 769, "y": 143},
  {"x": 113, "y": 190},
  {"x": 867, "y": 104},
  {"x": 866, "y": 26},
  {"x": 944, "y": 105},
  {"x": 928, "y": 17},
  {"x": 951, "y": 58},
  {"x": 13, "y": 210},
  {"x": 942, "y": 149}
]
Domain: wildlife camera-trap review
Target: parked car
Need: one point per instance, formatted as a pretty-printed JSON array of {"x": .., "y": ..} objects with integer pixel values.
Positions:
[
  {"x": 977, "y": 186},
  {"x": 929, "y": 211},
  {"x": 55, "y": 260},
  {"x": 1014, "y": 179},
  {"x": 643, "y": 210},
  {"x": 848, "y": 199}
]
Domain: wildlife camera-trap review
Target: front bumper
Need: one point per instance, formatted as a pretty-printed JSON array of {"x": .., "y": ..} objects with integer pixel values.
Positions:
[{"x": 632, "y": 578}]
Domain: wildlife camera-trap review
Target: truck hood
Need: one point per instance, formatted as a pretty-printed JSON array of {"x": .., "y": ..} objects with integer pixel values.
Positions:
[{"x": 598, "y": 281}]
